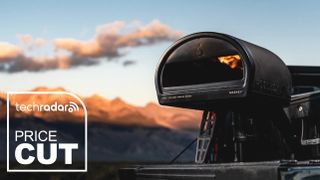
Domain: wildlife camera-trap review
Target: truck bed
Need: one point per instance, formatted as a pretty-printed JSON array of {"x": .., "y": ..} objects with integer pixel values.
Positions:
[{"x": 282, "y": 170}]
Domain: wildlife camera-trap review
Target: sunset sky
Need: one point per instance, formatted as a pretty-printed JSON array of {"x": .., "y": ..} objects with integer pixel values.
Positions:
[{"x": 112, "y": 48}]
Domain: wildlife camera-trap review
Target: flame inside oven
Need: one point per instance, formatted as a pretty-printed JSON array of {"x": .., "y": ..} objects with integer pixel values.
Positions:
[{"x": 233, "y": 61}]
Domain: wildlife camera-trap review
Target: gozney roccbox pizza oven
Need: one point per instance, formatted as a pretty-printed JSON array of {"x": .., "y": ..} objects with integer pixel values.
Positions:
[{"x": 202, "y": 70}]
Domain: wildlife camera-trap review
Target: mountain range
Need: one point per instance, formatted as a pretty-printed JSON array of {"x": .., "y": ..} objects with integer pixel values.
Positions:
[
  {"x": 116, "y": 111},
  {"x": 117, "y": 131}
]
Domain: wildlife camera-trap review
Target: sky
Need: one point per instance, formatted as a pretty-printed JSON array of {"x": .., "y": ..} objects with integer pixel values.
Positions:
[{"x": 70, "y": 34}]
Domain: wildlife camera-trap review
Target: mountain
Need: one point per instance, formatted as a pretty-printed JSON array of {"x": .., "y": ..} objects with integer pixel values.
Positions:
[
  {"x": 112, "y": 143},
  {"x": 174, "y": 118},
  {"x": 115, "y": 112},
  {"x": 117, "y": 131}
]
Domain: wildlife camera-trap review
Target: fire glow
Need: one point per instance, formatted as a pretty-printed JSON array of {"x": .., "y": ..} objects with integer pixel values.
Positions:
[{"x": 232, "y": 61}]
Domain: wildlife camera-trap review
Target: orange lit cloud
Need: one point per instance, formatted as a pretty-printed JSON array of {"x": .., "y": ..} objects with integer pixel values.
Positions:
[
  {"x": 29, "y": 42},
  {"x": 25, "y": 38},
  {"x": 39, "y": 42},
  {"x": 107, "y": 43},
  {"x": 109, "y": 39},
  {"x": 8, "y": 51}
]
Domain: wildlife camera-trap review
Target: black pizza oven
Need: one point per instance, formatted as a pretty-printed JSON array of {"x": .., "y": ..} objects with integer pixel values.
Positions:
[
  {"x": 256, "y": 109},
  {"x": 204, "y": 70}
]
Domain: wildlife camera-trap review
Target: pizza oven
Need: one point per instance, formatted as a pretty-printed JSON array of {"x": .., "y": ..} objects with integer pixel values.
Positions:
[{"x": 207, "y": 70}]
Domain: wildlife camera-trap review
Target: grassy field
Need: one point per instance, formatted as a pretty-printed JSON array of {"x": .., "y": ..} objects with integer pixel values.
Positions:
[{"x": 96, "y": 171}]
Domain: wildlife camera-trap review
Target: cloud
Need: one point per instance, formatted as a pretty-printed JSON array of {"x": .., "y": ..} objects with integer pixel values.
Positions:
[
  {"x": 28, "y": 42},
  {"x": 8, "y": 51},
  {"x": 24, "y": 38},
  {"x": 107, "y": 43},
  {"x": 129, "y": 63},
  {"x": 109, "y": 40},
  {"x": 37, "y": 64},
  {"x": 39, "y": 42}
]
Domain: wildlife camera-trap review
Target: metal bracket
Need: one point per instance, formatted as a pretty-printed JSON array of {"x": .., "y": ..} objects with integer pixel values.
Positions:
[
  {"x": 205, "y": 138},
  {"x": 306, "y": 142}
]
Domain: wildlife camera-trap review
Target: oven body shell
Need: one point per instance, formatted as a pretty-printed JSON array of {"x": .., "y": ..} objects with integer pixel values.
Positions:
[{"x": 265, "y": 79}]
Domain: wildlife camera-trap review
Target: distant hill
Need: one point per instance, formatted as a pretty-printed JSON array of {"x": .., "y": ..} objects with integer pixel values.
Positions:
[
  {"x": 117, "y": 131},
  {"x": 116, "y": 111}
]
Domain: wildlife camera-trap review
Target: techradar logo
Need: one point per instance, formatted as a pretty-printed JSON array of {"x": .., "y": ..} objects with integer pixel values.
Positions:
[
  {"x": 38, "y": 146},
  {"x": 55, "y": 107}
]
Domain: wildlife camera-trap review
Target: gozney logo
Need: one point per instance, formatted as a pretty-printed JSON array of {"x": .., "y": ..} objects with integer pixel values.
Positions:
[{"x": 36, "y": 142}]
